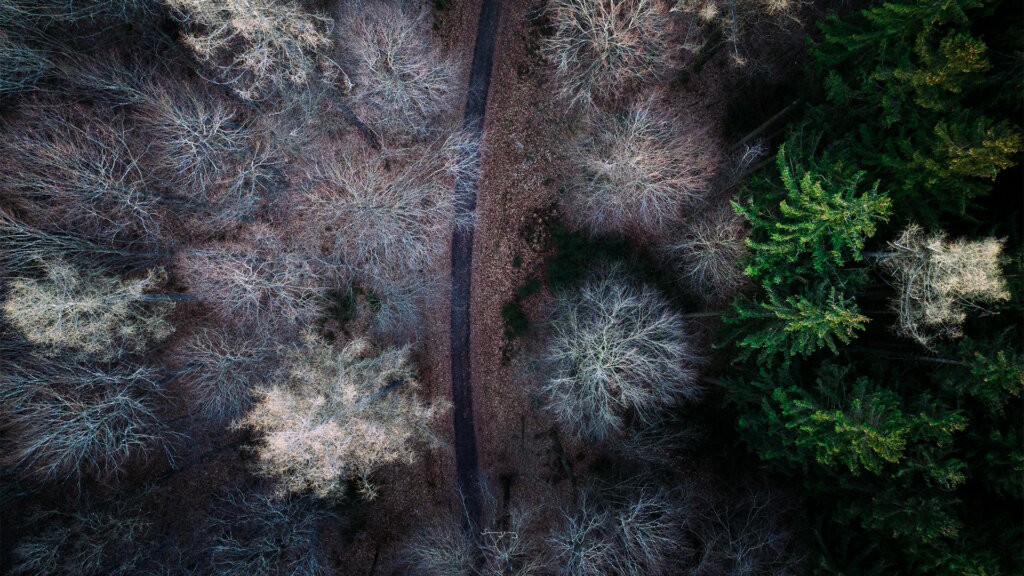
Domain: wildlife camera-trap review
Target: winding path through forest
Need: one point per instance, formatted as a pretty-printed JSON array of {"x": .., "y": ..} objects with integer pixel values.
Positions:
[{"x": 462, "y": 263}]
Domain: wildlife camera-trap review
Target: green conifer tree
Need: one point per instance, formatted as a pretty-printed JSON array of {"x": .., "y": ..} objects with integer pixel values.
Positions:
[
  {"x": 799, "y": 325},
  {"x": 903, "y": 81},
  {"x": 820, "y": 222}
]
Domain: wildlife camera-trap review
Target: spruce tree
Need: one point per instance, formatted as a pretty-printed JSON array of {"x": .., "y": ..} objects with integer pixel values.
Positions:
[
  {"x": 907, "y": 86},
  {"x": 799, "y": 324},
  {"x": 820, "y": 222}
]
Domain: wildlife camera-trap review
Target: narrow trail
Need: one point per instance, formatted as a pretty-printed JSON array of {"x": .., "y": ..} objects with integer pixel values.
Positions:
[{"x": 462, "y": 264}]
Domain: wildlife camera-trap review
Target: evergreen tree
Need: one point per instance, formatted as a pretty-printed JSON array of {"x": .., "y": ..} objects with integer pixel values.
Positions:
[
  {"x": 911, "y": 458},
  {"x": 803, "y": 233},
  {"x": 895, "y": 444},
  {"x": 812, "y": 225},
  {"x": 798, "y": 325},
  {"x": 905, "y": 84},
  {"x": 844, "y": 423}
]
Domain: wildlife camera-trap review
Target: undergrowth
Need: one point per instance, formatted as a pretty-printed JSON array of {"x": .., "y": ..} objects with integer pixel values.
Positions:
[{"x": 572, "y": 255}]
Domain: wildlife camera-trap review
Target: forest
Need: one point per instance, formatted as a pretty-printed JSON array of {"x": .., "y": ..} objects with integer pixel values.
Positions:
[{"x": 511, "y": 287}]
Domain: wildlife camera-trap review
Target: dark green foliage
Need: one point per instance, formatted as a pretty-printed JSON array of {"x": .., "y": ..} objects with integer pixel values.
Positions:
[
  {"x": 905, "y": 470},
  {"x": 912, "y": 459},
  {"x": 911, "y": 96},
  {"x": 993, "y": 375},
  {"x": 987, "y": 378},
  {"x": 844, "y": 423},
  {"x": 797, "y": 325},
  {"x": 803, "y": 233}
]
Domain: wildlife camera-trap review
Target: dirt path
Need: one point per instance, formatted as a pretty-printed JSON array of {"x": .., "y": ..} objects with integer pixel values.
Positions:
[{"x": 462, "y": 264}]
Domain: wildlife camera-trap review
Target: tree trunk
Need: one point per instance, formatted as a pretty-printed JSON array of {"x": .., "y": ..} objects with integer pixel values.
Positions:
[
  {"x": 877, "y": 255},
  {"x": 711, "y": 314},
  {"x": 167, "y": 297},
  {"x": 767, "y": 124}
]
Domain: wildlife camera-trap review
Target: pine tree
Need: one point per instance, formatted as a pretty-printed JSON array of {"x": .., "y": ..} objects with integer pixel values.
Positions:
[
  {"x": 883, "y": 462},
  {"x": 820, "y": 223},
  {"x": 844, "y": 422},
  {"x": 910, "y": 458},
  {"x": 799, "y": 325},
  {"x": 903, "y": 81}
]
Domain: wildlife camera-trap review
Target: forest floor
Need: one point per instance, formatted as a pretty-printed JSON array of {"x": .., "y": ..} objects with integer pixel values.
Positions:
[
  {"x": 518, "y": 447},
  {"x": 368, "y": 537},
  {"x": 523, "y": 459}
]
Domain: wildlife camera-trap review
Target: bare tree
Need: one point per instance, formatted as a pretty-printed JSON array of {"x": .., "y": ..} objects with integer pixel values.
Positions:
[
  {"x": 261, "y": 290},
  {"x": 442, "y": 549},
  {"x": 632, "y": 532},
  {"x": 214, "y": 158},
  {"x": 72, "y": 420},
  {"x": 257, "y": 279},
  {"x": 79, "y": 172},
  {"x": 614, "y": 348},
  {"x": 389, "y": 218},
  {"x": 708, "y": 251},
  {"x": 198, "y": 135},
  {"x": 21, "y": 66},
  {"x": 387, "y": 212},
  {"x": 113, "y": 78},
  {"x": 743, "y": 533},
  {"x": 733, "y": 18},
  {"x": 504, "y": 543},
  {"x": 261, "y": 48},
  {"x": 25, "y": 246},
  {"x": 80, "y": 14},
  {"x": 602, "y": 49},
  {"x": 937, "y": 279},
  {"x": 261, "y": 535},
  {"x": 402, "y": 83},
  {"x": 337, "y": 415},
  {"x": 223, "y": 369},
  {"x": 583, "y": 544},
  {"x": 635, "y": 172},
  {"x": 202, "y": 152},
  {"x": 81, "y": 542},
  {"x": 88, "y": 311}
]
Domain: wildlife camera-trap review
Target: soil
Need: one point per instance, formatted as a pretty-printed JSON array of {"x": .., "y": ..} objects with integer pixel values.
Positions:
[{"x": 518, "y": 448}]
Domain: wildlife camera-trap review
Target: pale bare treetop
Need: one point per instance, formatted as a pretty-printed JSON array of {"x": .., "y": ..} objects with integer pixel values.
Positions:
[
  {"x": 939, "y": 279},
  {"x": 709, "y": 252},
  {"x": 402, "y": 83},
  {"x": 259, "y": 47},
  {"x": 603, "y": 48},
  {"x": 339, "y": 414},
  {"x": 614, "y": 348},
  {"x": 88, "y": 311},
  {"x": 637, "y": 171}
]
